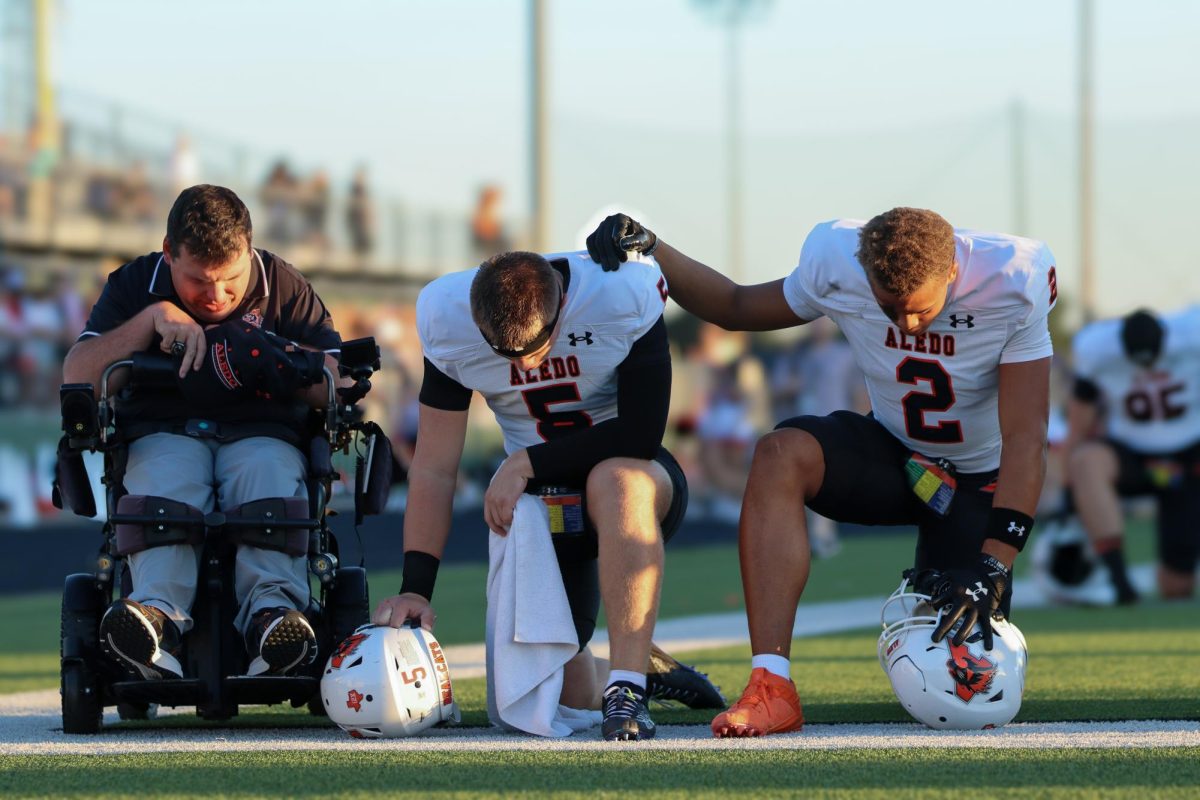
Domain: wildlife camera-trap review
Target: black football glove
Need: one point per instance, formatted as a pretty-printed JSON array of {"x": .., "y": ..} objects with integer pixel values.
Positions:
[
  {"x": 616, "y": 236},
  {"x": 971, "y": 595},
  {"x": 925, "y": 581},
  {"x": 243, "y": 362}
]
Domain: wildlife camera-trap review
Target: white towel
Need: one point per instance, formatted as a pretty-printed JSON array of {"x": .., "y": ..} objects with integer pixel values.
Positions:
[{"x": 529, "y": 633}]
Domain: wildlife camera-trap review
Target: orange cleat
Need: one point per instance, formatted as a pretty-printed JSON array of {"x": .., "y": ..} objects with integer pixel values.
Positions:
[{"x": 768, "y": 705}]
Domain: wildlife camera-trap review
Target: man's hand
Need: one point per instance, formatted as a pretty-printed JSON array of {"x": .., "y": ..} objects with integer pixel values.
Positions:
[
  {"x": 616, "y": 236},
  {"x": 971, "y": 595},
  {"x": 399, "y": 609},
  {"x": 506, "y": 488},
  {"x": 241, "y": 361},
  {"x": 179, "y": 331}
]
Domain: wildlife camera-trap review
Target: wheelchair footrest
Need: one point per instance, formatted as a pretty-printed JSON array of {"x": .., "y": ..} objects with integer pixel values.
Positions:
[
  {"x": 239, "y": 690},
  {"x": 261, "y": 690},
  {"x": 172, "y": 692}
]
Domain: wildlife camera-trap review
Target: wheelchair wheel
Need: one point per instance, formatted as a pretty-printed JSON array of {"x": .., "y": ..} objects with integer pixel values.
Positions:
[
  {"x": 82, "y": 711},
  {"x": 347, "y": 603},
  {"x": 82, "y": 607}
]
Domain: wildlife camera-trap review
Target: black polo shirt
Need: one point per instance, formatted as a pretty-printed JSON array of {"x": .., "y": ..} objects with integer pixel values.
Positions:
[{"x": 278, "y": 299}]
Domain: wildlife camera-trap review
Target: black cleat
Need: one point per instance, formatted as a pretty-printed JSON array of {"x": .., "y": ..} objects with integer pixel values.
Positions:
[
  {"x": 278, "y": 640},
  {"x": 668, "y": 679},
  {"x": 142, "y": 639},
  {"x": 626, "y": 717},
  {"x": 1126, "y": 595}
]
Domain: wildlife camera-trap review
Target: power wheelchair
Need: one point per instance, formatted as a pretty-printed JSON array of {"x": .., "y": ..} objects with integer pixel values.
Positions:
[{"x": 212, "y": 653}]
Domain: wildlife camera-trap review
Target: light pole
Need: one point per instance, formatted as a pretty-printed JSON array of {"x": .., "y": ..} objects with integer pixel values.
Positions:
[
  {"x": 539, "y": 185},
  {"x": 733, "y": 14}
]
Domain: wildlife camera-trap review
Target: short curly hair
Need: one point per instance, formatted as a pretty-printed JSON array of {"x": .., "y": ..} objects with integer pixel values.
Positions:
[
  {"x": 513, "y": 296},
  {"x": 211, "y": 222},
  {"x": 905, "y": 248}
]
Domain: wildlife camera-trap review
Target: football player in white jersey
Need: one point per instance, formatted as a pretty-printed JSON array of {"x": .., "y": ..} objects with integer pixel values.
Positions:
[
  {"x": 1134, "y": 421},
  {"x": 949, "y": 328},
  {"x": 577, "y": 370}
]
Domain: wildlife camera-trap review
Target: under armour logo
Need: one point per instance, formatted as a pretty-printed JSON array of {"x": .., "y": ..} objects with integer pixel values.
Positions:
[
  {"x": 967, "y": 319},
  {"x": 1019, "y": 530},
  {"x": 575, "y": 340},
  {"x": 979, "y": 589}
]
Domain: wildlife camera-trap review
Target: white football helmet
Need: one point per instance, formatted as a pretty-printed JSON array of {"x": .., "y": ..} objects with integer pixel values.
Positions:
[
  {"x": 1065, "y": 566},
  {"x": 943, "y": 686},
  {"x": 384, "y": 682}
]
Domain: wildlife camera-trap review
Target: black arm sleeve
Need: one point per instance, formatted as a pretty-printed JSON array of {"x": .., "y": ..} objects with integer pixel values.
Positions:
[
  {"x": 439, "y": 390},
  {"x": 643, "y": 398},
  {"x": 1085, "y": 391}
]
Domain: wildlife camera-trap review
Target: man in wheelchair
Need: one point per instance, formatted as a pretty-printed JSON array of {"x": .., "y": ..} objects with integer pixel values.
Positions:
[{"x": 221, "y": 441}]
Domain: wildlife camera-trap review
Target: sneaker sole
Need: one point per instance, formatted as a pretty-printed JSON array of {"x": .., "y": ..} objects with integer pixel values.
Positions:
[
  {"x": 629, "y": 736},
  {"x": 129, "y": 638},
  {"x": 287, "y": 643},
  {"x": 735, "y": 730}
]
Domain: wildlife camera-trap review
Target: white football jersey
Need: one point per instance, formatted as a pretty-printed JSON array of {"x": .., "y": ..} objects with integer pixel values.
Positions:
[
  {"x": 576, "y": 384},
  {"x": 1150, "y": 410},
  {"x": 936, "y": 392}
]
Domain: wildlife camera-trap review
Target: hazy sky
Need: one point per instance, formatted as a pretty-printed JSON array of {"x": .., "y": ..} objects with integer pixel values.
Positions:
[{"x": 849, "y": 108}]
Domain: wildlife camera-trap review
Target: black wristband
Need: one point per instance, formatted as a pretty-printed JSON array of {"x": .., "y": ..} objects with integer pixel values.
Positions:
[
  {"x": 420, "y": 573},
  {"x": 1009, "y": 526}
]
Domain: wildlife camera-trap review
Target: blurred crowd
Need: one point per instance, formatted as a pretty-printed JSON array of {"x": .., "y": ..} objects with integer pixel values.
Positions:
[
  {"x": 728, "y": 388},
  {"x": 43, "y": 186}
]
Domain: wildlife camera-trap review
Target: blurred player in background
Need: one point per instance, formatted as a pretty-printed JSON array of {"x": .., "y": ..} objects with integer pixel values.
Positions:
[
  {"x": 950, "y": 330},
  {"x": 1134, "y": 421}
]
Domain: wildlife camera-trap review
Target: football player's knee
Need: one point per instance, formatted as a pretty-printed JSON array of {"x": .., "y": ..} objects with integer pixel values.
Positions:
[
  {"x": 1090, "y": 461},
  {"x": 788, "y": 454},
  {"x": 1174, "y": 585},
  {"x": 616, "y": 479}
]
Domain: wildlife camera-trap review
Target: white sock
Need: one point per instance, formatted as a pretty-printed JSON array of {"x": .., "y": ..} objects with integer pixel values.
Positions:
[
  {"x": 776, "y": 665},
  {"x": 638, "y": 679}
]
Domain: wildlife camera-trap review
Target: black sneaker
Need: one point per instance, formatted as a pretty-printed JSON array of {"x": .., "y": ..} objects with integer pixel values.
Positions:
[
  {"x": 1125, "y": 594},
  {"x": 142, "y": 639},
  {"x": 278, "y": 640},
  {"x": 668, "y": 679},
  {"x": 626, "y": 717}
]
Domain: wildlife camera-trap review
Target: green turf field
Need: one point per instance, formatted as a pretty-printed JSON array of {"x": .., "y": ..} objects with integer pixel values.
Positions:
[
  {"x": 697, "y": 580},
  {"x": 971, "y": 773},
  {"x": 1085, "y": 665}
]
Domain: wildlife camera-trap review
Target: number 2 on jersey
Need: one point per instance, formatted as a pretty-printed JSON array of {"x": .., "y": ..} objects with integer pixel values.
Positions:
[
  {"x": 916, "y": 404},
  {"x": 553, "y": 424}
]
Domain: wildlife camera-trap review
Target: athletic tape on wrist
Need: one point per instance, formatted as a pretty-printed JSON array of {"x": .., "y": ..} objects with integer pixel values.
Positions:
[
  {"x": 420, "y": 573},
  {"x": 1009, "y": 526}
]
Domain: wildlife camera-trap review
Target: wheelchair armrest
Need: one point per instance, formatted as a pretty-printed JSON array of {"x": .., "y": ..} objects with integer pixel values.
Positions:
[
  {"x": 80, "y": 412},
  {"x": 153, "y": 370}
]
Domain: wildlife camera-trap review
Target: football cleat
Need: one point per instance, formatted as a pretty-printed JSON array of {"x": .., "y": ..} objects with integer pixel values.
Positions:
[
  {"x": 626, "y": 717},
  {"x": 278, "y": 640},
  {"x": 669, "y": 680},
  {"x": 142, "y": 639},
  {"x": 768, "y": 705}
]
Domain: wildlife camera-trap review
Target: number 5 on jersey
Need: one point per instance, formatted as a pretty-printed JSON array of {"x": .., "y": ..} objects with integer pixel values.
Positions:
[{"x": 555, "y": 424}]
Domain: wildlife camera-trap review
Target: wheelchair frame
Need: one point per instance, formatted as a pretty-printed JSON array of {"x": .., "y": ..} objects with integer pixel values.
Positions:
[{"x": 212, "y": 649}]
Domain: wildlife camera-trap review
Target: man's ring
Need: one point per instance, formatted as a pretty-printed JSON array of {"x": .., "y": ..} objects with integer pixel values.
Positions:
[{"x": 178, "y": 348}]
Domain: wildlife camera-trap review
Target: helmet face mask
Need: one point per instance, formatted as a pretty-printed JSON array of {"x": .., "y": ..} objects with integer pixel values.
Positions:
[
  {"x": 948, "y": 687},
  {"x": 387, "y": 682}
]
